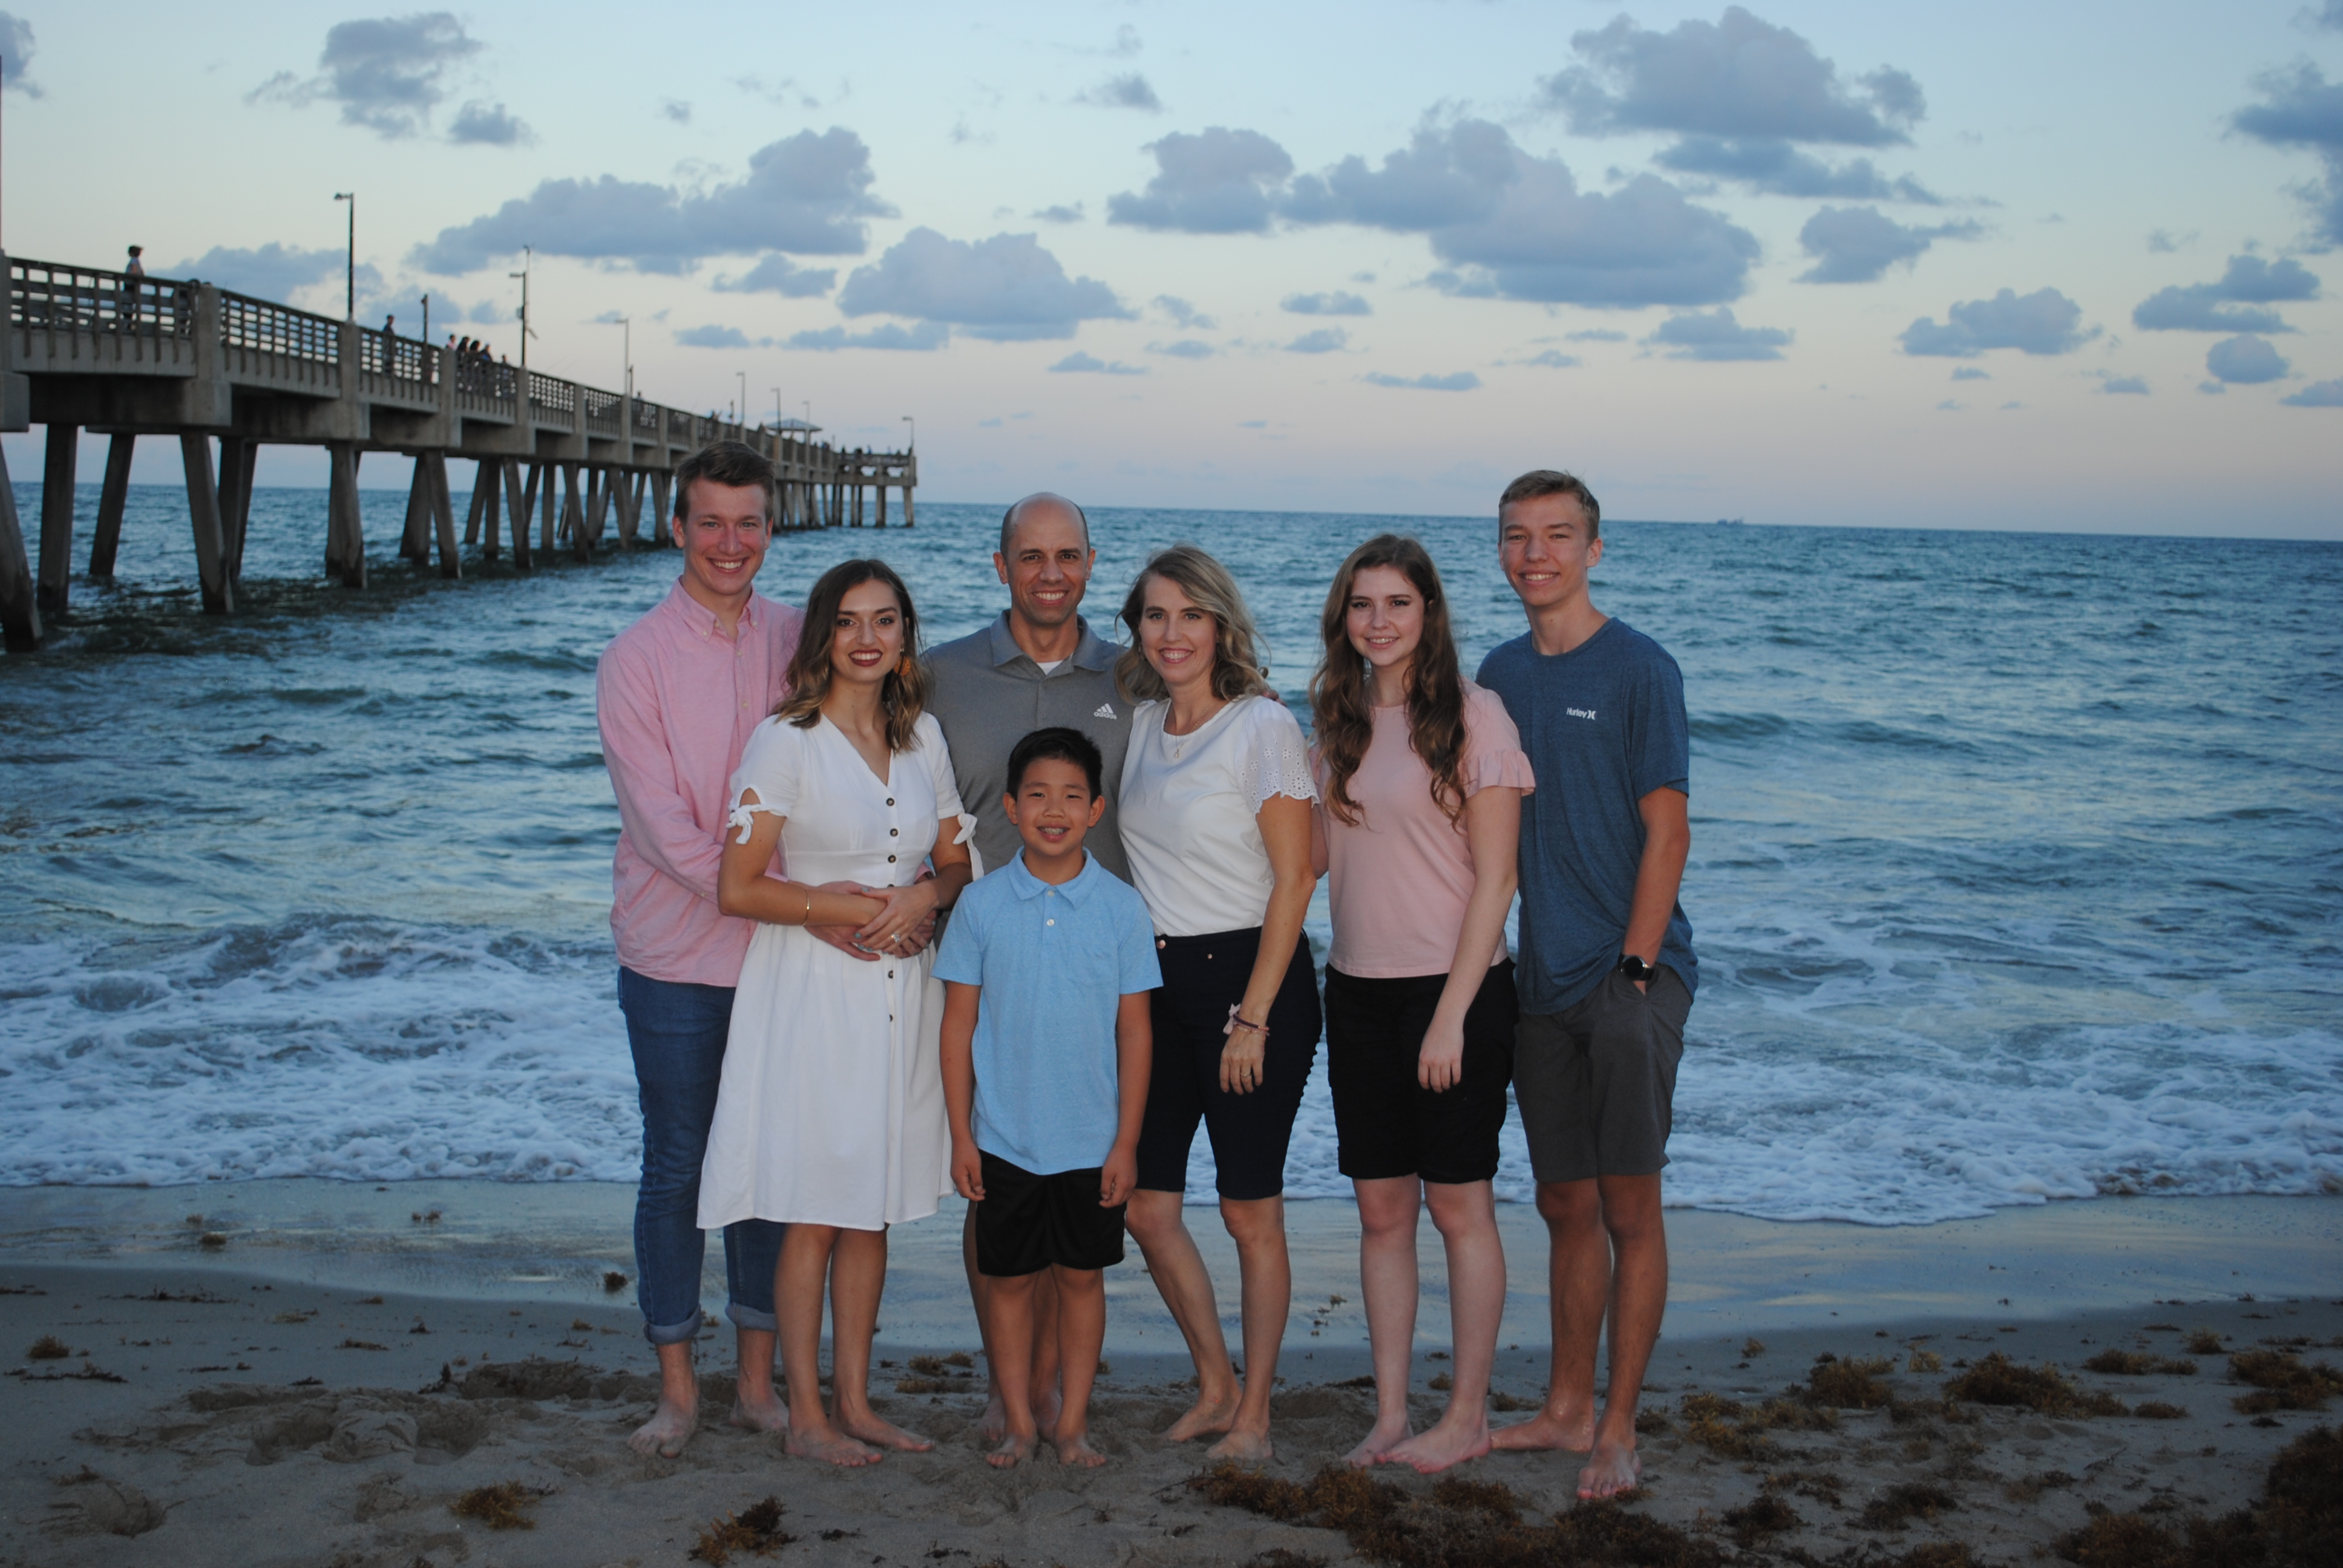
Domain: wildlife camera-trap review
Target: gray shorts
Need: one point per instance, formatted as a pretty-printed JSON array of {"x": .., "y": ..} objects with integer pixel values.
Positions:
[{"x": 1596, "y": 1083}]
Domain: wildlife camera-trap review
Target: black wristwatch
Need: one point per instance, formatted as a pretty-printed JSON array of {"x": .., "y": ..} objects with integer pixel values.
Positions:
[{"x": 1636, "y": 969}]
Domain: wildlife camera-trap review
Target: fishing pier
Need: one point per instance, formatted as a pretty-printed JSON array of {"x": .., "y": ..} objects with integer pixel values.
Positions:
[{"x": 558, "y": 462}]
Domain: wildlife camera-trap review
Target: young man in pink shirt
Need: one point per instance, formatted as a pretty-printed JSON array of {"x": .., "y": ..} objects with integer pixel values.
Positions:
[{"x": 677, "y": 694}]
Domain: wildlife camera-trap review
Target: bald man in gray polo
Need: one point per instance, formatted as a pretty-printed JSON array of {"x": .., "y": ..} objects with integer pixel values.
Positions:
[{"x": 1038, "y": 665}]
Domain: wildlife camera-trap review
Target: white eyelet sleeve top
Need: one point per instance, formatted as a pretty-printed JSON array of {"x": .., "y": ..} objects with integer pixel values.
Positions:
[{"x": 1189, "y": 806}]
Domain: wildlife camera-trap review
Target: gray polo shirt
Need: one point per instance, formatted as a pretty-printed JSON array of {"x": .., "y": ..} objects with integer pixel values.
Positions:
[{"x": 989, "y": 694}]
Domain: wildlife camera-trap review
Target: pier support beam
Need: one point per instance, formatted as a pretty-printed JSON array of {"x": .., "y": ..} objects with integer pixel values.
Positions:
[
  {"x": 907, "y": 506},
  {"x": 573, "y": 515},
  {"x": 519, "y": 501},
  {"x": 203, "y": 513},
  {"x": 20, "y": 610},
  {"x": 113, "y": 499},
  {"x": 662, "y": 507},
  {"x": 881, "y": 489},
  {"x": 488, "y": 494},
  {"x": 443, "y": 514},
  {"x": 477, "y": 507},
  {"x": 543, "y": 481},
  {"x": 415, "y": 538},
  {"x": 345, "y": 529},
  {"x": 236, "y": 521},
  {"x": 58, "y": 516}
]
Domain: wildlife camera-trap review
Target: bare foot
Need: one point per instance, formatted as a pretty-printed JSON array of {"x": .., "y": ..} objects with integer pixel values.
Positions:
[
  {"x": 1442, "y": 1446},
  {"x": 763, "y": 1412},
  {"x": 1209, "y": 1413},
  {"x": 1612, "y": 1468},
  {"x": 1567, "y": 1429},
  {"x": 1013, "y": 1451},
  {"x": 1373, "y": 1447},
  {"x": 669, "y": 1429},
  {"x": 1253, "y": 1447},
  {"x": 886, "y": 1435},
  {"x": 1077, "y": 1449},
  {"x": 833, "y": 1447},
  {"x": 995, "y": 1425}
]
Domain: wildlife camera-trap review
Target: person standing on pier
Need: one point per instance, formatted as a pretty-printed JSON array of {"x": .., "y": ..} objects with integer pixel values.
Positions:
[
  {"x": 134, "y": 267},
  {"x": 1607, "y": 973},
  {"x": 678, "y": 695},
  {"x": 1037, "y": 666}
]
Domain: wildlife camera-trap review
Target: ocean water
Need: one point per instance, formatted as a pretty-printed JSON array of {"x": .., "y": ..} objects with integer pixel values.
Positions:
[{"x": 2017, "y": 875}]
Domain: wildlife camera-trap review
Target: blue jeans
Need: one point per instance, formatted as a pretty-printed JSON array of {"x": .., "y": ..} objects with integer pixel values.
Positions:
[{"x": 677, "y": 1031}]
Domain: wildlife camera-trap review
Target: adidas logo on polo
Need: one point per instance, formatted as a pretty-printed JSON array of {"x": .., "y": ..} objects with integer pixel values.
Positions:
[{"x": 1105, "y": 710}]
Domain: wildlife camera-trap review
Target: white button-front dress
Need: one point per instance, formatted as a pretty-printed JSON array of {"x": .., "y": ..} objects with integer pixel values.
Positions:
[{"x": 830, "y": 1110}]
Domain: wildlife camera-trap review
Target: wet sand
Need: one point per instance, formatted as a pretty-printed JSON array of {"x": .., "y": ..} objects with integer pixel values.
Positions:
[{"x": 325, "y": 1380}]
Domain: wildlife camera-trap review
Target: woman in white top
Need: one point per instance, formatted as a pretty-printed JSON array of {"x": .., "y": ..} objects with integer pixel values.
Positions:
[
  {"x": 1420, "y": 775},
  {"x": 1215, "y": 809},
  {"x": 830, "y": 1114}
]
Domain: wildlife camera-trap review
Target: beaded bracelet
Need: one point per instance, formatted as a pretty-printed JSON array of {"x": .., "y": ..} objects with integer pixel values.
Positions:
[{"x": 1236, "y": 1024}]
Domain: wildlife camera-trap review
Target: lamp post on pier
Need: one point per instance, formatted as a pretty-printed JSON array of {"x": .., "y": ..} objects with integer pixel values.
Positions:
[
  {"x": 526, "y": 259},
  {"x": 914, "y": 424},
  {"x": 350, "y": 277},
  {"x": 626, "y": 324}
]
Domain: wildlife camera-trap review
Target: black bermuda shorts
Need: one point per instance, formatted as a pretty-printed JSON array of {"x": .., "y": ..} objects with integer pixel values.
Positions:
[
  {"x": 1387, "y": 1122},
  {"x": 1596, "y": 1083},
  {"x": 1204, "y": 977},
  {"x": 1026, "y": 1223}
]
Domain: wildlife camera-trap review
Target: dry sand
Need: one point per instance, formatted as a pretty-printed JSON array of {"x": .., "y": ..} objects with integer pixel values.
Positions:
[{"x": 208, "y": 1412}]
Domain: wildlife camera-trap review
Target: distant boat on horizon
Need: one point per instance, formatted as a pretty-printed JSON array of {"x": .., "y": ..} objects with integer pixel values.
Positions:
[{"x": 1728, "y": 522}]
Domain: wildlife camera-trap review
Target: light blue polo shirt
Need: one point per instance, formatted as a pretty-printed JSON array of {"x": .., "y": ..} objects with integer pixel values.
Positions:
[{"x": 1055, "y": 963}]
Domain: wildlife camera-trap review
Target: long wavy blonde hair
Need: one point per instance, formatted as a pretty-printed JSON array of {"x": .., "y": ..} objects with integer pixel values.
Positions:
[
  {"x": 1238, "y": 669},
  {"x": 903, "y": 695}
]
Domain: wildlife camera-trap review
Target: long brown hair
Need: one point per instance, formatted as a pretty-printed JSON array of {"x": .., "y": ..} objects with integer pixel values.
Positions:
[
  {"x": 903, "y": 694},
  {"x": 1238, "y": 669},
  {"x": 1339, "y": 691}
]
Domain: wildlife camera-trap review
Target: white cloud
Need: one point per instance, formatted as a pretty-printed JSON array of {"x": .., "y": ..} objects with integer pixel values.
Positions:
[
  {"x": 1003, "y": 288},
  {"x": 2043, "y": 322}
]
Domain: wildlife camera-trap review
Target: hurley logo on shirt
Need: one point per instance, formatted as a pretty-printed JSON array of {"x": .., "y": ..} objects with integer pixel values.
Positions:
[
  {"x": 1580, "y": 712},
  {"x": 1106, "y": 710}
]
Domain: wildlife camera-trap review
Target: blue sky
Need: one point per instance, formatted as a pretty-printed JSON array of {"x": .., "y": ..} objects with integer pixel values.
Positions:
[{"x": 1993, "y": 266}]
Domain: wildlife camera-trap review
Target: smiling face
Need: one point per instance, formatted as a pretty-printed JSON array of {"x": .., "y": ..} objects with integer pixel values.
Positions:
[
  {"x": 866, "y": 640},
  {"x": 1177, "y": 637},
  {"x": 1046, "y": 566},
  {"x": 1385, "y": 617},
  {"x": 723, "y": 531},
  {"x": 1053, "y": 808},
  {"x": 1547, "y": 547}
]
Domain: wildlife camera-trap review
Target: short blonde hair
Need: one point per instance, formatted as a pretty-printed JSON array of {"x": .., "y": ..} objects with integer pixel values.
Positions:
[{"x": 1238, "y": 668}]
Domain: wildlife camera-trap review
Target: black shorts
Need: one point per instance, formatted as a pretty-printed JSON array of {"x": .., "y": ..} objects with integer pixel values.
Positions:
[
  {"x": 1027, "y": 1223},
  {"x": 1389, "y": 1124},
  {"x": 1202, "y": 978}
]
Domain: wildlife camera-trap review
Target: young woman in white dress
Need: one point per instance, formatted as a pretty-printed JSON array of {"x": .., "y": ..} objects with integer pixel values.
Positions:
[
  {"x": 830, "y": 1114},
  {"x": 1215, "y": 809}
]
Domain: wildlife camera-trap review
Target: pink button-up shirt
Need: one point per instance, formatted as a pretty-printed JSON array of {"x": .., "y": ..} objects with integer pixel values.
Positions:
[{"x": 676, "y": 700}]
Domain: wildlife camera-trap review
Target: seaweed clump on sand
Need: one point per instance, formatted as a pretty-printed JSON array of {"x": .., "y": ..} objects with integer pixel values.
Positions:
[
  {"x": 1899, "y": 1504},
  {"x": 2281, "y": 1381},
  {"x": 1462, "y": 1524},
  {"x": 1850, "y": 1384},
  {"x": 1763, "y": 1517},
  {"x": 2139, "y": 1363},
  {"x": 1736, "y": 1430},
  {"x": 48, "y": 1347},
  {"x": 756, "y": 1529},
  {"x": 498, "y": 1507},
  {"x": 2297, "y": 1523},
  {"x": 1997, "y": 1379}
]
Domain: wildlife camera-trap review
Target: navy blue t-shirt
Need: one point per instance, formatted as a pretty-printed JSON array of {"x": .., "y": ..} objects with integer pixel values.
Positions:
[{"x": 1604, "y": 726}]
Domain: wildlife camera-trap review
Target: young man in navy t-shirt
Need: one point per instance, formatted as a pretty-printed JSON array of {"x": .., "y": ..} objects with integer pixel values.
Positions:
[{"x": 1607, "y": 970}]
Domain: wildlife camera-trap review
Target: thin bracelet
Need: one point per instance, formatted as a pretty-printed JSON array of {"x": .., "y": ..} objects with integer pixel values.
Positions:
[
  {"x": 1236, "y": 1024},
  {"x": 809, "y": 914}
]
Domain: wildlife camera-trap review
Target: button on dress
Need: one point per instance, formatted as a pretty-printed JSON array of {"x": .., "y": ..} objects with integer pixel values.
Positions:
[{"x": 831, "y": 1109}]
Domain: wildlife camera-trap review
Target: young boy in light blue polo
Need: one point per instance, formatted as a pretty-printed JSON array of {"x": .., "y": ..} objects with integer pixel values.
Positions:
[{"x": 1046, "y": 966}]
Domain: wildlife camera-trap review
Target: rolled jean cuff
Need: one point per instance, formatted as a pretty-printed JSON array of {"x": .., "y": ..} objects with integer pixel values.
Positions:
[
  {"x": 751, "y": 1318},
  {"x": 681, "y": 1333}
]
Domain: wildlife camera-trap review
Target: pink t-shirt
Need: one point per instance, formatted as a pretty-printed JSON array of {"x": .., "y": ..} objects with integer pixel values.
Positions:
[
  {"x": 677, "y": 700},
  {"x": 1400, "y": 879}
]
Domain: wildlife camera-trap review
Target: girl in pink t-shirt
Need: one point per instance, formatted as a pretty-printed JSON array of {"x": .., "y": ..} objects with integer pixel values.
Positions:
[{"x": 1420, "y": 778}]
